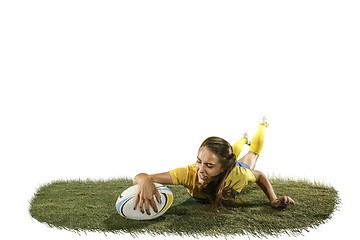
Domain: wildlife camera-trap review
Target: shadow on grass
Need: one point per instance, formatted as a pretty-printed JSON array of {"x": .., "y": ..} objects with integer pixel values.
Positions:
[{"x": 115, "y": 222}]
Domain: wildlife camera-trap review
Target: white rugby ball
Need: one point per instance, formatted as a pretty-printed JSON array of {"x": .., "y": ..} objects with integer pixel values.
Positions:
[{"x": 125, "y": 203}]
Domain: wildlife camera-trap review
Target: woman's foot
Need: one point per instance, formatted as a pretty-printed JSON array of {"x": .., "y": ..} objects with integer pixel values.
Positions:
[
  {"x": 264, "y": 121},
  {"x": 246, "y": 135}
]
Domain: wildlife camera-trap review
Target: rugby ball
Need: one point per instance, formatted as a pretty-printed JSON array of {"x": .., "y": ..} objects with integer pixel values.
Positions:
[{"x": 125, "y": 203}]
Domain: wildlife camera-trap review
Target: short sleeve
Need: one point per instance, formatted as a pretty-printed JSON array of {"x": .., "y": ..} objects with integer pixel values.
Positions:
[
  {"x": 184, "y": 176},
  {"x": 178, "y": 175},
  {"x": 239, "y": 178},
  {"x": 249, "y": 176}
]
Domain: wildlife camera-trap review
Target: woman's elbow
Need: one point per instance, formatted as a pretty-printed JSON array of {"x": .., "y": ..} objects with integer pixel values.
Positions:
[{"x": 258, "y": 175}]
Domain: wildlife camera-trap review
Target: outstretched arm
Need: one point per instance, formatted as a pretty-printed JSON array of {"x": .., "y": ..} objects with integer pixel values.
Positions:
[{"x": 265, "y": 185}]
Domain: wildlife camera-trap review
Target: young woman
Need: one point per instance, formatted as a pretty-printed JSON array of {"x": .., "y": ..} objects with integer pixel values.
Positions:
[{"x": 216, "y": 177}]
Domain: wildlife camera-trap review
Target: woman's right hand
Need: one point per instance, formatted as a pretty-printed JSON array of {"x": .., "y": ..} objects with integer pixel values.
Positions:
[{"x": 147, "y": 190}]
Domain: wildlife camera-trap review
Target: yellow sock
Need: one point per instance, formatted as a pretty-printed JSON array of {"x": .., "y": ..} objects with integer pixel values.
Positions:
[
  {"x": 237, "y": 147},
  {"x": 257, "y": 142}
]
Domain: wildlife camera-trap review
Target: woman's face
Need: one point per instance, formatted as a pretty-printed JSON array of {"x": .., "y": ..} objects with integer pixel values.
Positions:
[{"x": 207, "y": 165}]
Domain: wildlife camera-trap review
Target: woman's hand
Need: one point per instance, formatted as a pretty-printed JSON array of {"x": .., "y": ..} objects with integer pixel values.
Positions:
[
  {"x": 147, "y": 190},
  {"x": 265, "y": 185},
  {"x": 282, "y": 202}
]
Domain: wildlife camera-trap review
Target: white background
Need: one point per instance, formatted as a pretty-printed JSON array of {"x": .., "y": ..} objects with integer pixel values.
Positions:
[{"x": 104, "y": 89}]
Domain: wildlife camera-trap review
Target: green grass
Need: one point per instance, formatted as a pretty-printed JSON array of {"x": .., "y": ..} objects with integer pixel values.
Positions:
[{"x": 80, "y": 205}]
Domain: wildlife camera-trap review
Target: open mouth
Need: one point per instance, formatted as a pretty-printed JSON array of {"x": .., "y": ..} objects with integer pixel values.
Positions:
[{"x": 202, "y": 177}]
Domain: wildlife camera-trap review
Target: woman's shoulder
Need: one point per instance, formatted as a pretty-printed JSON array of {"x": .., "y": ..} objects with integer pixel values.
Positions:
[
  {"x": 184, "y": 175},
  {"x": 240, "y": 169},
  {"x": 238, "y": 178},
  {"x": 191, "y": 166},
  {"x": 240, "y": 173}
]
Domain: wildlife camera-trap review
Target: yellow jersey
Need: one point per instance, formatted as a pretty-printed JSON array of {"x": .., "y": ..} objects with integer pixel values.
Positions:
[{"x": 238, "y": 178}]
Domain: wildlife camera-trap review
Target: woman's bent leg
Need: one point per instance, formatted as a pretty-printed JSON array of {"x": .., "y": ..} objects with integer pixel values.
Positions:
[
  {"x": 250, "y": 159},
  {"x": 237, "y": 147},
  {"x": 256, "y": 146}
]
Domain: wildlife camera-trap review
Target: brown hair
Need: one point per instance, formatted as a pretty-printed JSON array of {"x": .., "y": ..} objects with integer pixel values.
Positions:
[{"x": 214, "y": 189}]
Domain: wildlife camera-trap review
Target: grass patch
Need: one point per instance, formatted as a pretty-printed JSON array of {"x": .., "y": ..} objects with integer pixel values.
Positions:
[{"x": 87, "y": 205}]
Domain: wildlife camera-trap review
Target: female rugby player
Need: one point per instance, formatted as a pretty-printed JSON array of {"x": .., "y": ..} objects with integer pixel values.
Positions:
[{"x": 216, "y": 177}]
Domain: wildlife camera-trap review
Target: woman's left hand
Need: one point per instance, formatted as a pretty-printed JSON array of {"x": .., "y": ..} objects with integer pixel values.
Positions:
[{"x": 282, "y": 202}]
